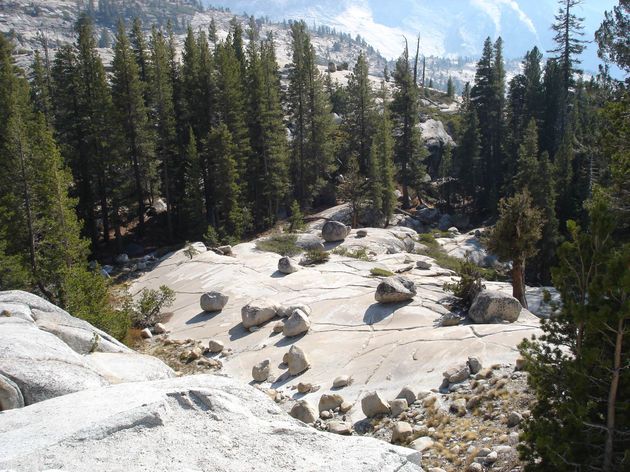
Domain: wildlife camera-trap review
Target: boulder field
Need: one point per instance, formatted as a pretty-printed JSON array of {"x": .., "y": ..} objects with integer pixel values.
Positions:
[{"x": 382, "y": 346}]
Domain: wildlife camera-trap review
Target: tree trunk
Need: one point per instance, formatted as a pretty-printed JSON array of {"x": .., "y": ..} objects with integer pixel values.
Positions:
[
  {"x": 518, "y": 282},
  {"x": 612, "y": 399}
]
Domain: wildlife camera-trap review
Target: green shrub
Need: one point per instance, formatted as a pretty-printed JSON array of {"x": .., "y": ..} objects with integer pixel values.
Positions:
[
  {"x": 211, "y": 238},
  {"x": 88, "y": 296},
  {"x": 147, "y": 311},
  {"x": 360, "y": 253},
  {"x": 296, "y": 220},
  {"x": 378, "y": 272},
  {"x": 190, "y": 251},
  {"x": 469, "y": 284},
  {"x": 316, "y": 256},
  {"x": 428, "y": 240},
  {"x": 283, "y": 244}
]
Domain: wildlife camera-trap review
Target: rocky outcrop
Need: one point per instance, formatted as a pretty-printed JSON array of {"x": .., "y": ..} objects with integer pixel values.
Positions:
[
  {"x": 395, "y": 289},
  {"x": 334, "y": 231},
  {"x": 168, "y": 424},
  {"x": 491, "y": 306},
  {"x": 44, "y": 353}
]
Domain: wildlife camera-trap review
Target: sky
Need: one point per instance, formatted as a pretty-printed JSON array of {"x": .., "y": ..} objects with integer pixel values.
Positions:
[{"x": 446, "y": 27}]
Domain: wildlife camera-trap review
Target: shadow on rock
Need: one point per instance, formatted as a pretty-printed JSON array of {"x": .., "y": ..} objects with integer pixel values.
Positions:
[
  {"x": 287, "y": 341},
  {"x": 377, "y": 312},
  {"x": 238, "y": 332},
  {"x": 283, "y": 379},
  {"x": 202, "y": 316},
  {"x": 278, "y": 275}
]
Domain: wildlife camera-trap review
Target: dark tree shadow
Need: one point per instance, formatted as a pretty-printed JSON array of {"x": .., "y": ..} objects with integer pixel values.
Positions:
[
  {"x": 287, "y": 341},
  {"x": 202, "y": 316},
  {"x": 298, "y": 395},
  {"x": 377, "y": 312}
]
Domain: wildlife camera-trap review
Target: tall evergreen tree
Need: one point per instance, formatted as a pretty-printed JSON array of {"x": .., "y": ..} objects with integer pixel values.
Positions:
[
  {"x": 310, "y": 120},
  {"x": 164, "y": 118},
  {"x": 132, "y": 114},
  {"x": 576, "y": 368},
  {"x": 381, "y": 171},
  {"x": 515, "y": 236},
  {"x": 141, "y": 54},
  {"x": 358, "y": 121},
  {"x": 409, "y": 151}
]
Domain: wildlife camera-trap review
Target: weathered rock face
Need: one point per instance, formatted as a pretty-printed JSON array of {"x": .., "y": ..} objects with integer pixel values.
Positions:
[
  {"x": 43, "y": 354},
  {"x": 76, "y": 333},
  {"x": 330, "y": 401},
  {"x": 213, "y": 301},
  {"x": 258, "y": 312},
  {"x": 395, "y": 289},
  {"x": 491, "y": 306},
  {"x": 104, "y": 428},
  {"x": 298, "y": 323},
  {"x": 304, "y": 412},
  {"x": 334, "y": 231},
  {"x": 286, "y": 265}
]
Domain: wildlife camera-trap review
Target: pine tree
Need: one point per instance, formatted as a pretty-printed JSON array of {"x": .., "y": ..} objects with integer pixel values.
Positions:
[
  {"x": 310, "y": 120},
  {"x": 450, "y": 88},
  {"x": 133, "y": 116},
  {"x": 164, "y": 118},
  {"x": 468, "y": 155},
  {"x": 445, "y": 173},
  {"x": 141, "y": 54},
  {"x": 85, "y": 125},
  {"x": 41, "y": 87},
  {"x": 408, "y": 149},
  {"x": 568, "y": 31},
  {"x": 232, "y": 220},
  {"x": 563, "y": 174},
  {"x": 358, "y": 121},
  {"x": 268, "y": 166},
  {"x": 576, "y": 368},
  {"x": 192, "y": 211},
  {"x": 515, "y": 237},
  {"x": 381, "y": 172}
]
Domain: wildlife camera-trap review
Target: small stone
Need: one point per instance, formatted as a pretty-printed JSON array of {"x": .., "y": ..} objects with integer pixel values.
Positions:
[
  {"x": 458, "y": 407},
  {"x": 330, "y": 401},
  {"x": 225, "y": 250},
  {"x": 408, "y": 394},
  {"x": 334, "y": 231},
  {"x": 483, "y": 452},
  {"x": 373, "y": 404},
  {"x": 514, "y": 419},
  {"x": 286, "y": 265},
  {"x": 398, "y": 406},
  {"x": 474, "y": 364},
  {"x": 342, "y": 381},
  {"x": 423, "y": 265},
  {"x": 521, "y": 362},
  {"x": 215, "y": 346},
  {"x": 340, "y": 427},
  {"x": 475, "y": 467},
  {"x": 421, "y": 444},
  {"x": 457, "y": 374},
  {"x": 436, "y": 469},
  {"x": 213, "y": 301},
  {"x": 258, "y": 312},
  {"x": 484, "y": 373},
  {"x": 429, "y": 401},
  {"x": 345, "y": 407},
  {"x": 304, "y": 387},
  {"x": 261, "y": 371},
  {"x": 473, "y": 402},
  {"x": 194, "y": 354},
  {"x": 401, "y": 432},
  {"x": 278, "y": 327},
  {"x": 513, "y": 438},
  {"x": 325, "y": 415},
  {"x": 304, "y": 412},
  {"x": 146, "y": 333},
  {"x": 491, "y": 458},
  {"x": 450, "y": 319},
  {"x": 297, "y": 360},
  {"x": 159, "y": 328},
  {"x": 362, "y": 233},
  {"x": 284, "y": 311},
  {"x": 395, "y": 289}
]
